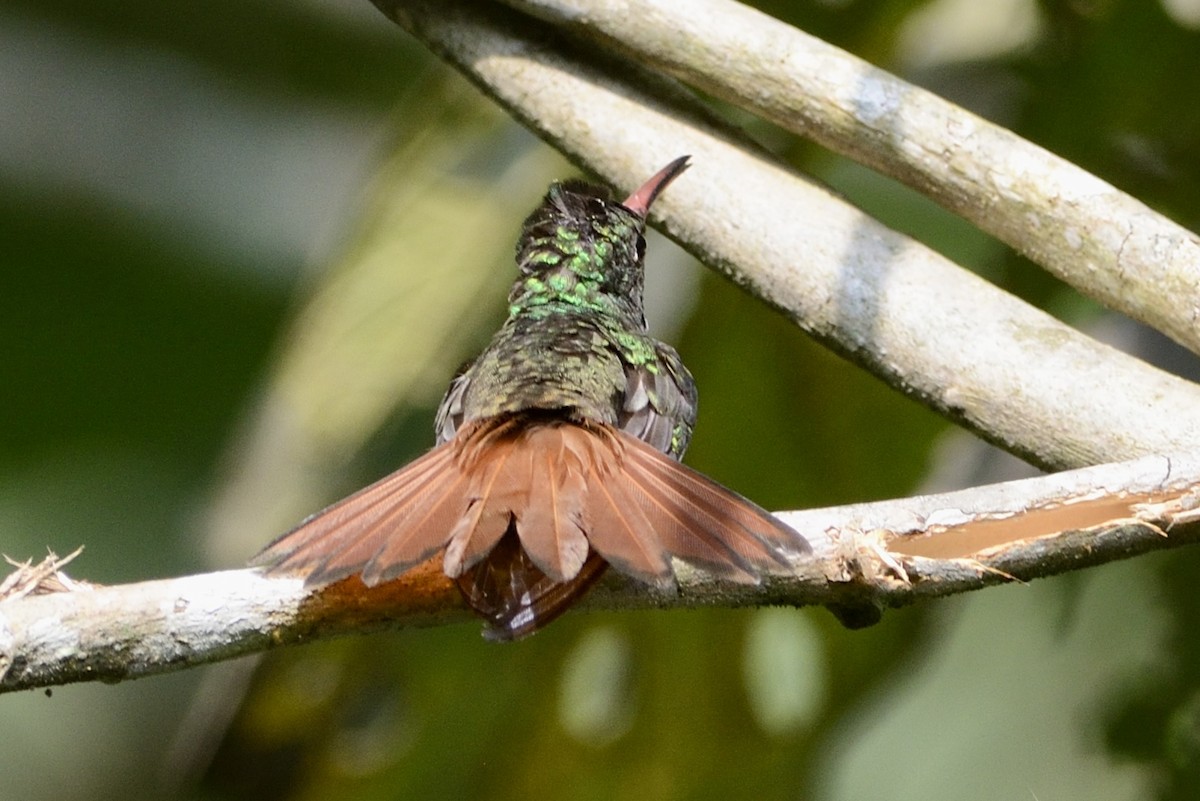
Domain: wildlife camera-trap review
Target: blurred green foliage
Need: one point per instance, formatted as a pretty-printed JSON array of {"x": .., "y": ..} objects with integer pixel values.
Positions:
[{"x": 192, "y": 199}]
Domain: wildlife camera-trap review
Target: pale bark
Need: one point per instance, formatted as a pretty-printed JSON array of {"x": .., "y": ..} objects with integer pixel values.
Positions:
[
  {"x": 866, "y": 557},
  {"x": 1103, "y": 242},
  {"x": 1010, "y": 372}
]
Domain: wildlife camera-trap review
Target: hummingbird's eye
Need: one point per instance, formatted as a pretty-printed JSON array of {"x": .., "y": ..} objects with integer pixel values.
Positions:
[
  {"x": 641, "y": 247},
  {"x": 595, "y": 205}
]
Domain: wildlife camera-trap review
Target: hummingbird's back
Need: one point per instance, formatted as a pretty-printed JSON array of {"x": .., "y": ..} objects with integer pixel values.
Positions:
[{"x": 567, "y": 360}]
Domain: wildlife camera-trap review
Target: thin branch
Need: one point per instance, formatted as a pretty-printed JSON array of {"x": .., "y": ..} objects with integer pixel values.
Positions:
[
  {"x": 956, "y": 343},
  {"x": 867, "y": 557},
  {"x": 1103, "y": 242},
  {"x": 44, "y": 577}
]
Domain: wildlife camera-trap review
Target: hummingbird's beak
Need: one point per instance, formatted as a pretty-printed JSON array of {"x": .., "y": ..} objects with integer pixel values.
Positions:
[{"x": 639, "y": 202}]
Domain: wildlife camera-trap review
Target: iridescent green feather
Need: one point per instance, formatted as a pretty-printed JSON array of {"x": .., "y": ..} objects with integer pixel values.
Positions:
[{"x": 575, "y": 339}]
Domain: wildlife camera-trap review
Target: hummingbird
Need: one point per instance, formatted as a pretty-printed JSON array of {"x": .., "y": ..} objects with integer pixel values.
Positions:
[{"x": 557, "y": 449}]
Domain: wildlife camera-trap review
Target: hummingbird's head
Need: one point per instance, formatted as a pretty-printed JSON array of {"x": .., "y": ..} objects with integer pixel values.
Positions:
[{"x": 583, "y": 248}]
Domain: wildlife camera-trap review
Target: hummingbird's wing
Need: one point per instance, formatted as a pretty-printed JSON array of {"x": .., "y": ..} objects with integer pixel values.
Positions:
[
  {"x": 659, "y": 407},
  {"x": 450, "y": 410}
]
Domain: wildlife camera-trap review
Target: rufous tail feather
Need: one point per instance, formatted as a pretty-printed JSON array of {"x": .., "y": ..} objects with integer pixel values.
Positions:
[{"x": 529, "y": 510}]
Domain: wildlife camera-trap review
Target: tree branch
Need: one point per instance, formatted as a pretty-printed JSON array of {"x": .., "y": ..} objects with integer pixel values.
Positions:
[
  {"x": 1103, "y": 242},
  {"x": 1011, "y": 372},
  {"x": 867, "y": 557}
]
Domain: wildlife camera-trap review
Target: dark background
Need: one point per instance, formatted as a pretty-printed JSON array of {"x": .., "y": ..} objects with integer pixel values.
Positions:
[{"x": 187, "y": 191}]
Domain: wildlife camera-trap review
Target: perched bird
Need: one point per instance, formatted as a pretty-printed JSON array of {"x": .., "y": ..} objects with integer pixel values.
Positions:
[{"x": 557, "y": 448}]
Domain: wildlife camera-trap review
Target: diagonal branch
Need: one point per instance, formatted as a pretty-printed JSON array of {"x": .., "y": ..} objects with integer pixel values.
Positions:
[
  {"x": 1103, "y": 242},
  {"x": 868, "y": 557},
  {"x": 1011, "y": 373}
]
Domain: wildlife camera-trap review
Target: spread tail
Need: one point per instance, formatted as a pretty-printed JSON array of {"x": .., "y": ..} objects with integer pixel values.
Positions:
[{"x": 529, "y": 511}]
